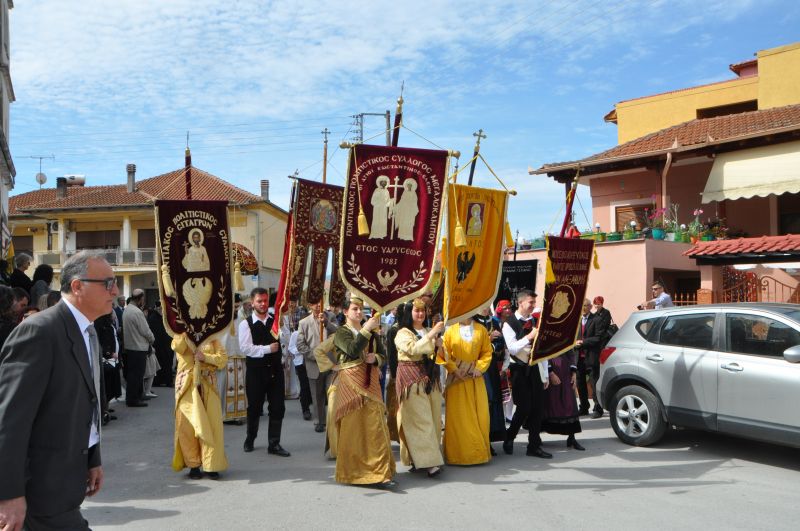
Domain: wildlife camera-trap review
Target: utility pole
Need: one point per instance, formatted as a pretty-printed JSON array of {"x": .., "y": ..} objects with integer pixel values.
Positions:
[
  {"x": 325, "y": 134},
  {"x": 358, "y": 124}
]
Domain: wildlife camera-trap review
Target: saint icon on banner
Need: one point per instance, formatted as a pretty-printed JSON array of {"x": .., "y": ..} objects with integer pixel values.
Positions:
[
  {"x": 475, "y": 223},
  {"x": 406, "y": 210},
  {"x": 382, "y": 204},
  {"x": 196, "y": 258}
]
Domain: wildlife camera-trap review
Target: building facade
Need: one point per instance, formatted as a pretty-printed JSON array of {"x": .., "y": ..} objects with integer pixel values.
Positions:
[{"x": 7, "y": 170}]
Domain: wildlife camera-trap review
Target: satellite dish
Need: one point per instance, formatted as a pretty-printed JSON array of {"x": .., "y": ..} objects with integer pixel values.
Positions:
[{"x": 41, "y": 178}]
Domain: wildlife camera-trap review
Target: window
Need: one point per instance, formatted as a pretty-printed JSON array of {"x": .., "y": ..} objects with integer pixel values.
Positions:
[
  {"x": 97, "y": 239},
  {"x": 147, "y": 238},
  {"x": 22, "y": 244},
  {"x": 694, "y": 330},
  {"x": 754, "y": 334},
  {"x": 626, "y": 214},
  {"x": 645, "y": 326}
]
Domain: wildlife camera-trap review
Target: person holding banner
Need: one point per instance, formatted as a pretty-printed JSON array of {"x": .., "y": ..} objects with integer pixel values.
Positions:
[
  {"x": 419, "y": 416},
  {"x": 466, "y": 427},
  {"x": 363, "y": 454},
  {"x": 527, "y": 383}
]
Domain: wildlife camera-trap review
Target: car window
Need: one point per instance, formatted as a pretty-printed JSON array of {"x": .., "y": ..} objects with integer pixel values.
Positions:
[
  {"x": 645, "y": 326},
  {"x": 754, "y": 334},
  {"x": 695, "y": 330}
]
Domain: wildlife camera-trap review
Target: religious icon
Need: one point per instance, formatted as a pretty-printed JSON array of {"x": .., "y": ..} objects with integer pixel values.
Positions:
[
  {"x": 475, "y": 223},
  {"x": 196, "y": 258},
  {"x": 381, "y": 208},
  {"x": 406, "y": 210}
]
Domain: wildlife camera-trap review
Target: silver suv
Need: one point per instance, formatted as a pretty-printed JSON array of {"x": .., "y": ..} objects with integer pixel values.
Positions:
[{"x": 731, "y": 368}]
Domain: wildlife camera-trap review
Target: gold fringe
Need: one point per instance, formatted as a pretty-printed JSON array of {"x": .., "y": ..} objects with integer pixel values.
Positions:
[
  {"x": 595, "y": 262},
  {"x": 166, "y": 280},
  {"x": 238, "y": 281},
  {"x": 550, "y": 275},
  {"x": 459, "y": 236},
  {"x": 363, "y": 226}
]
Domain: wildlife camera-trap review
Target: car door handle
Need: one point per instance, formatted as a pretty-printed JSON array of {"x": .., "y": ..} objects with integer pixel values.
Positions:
[
  {"x": 655, "y": 357},
  {"x": 735, "y": 367}
]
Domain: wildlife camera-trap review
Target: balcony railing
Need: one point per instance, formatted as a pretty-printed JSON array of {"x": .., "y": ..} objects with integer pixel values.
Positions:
[{"x": 115, "y": 257}]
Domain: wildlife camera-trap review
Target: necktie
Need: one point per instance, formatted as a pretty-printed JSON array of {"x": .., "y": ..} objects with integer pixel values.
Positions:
[{"x": 94, "y": 365}]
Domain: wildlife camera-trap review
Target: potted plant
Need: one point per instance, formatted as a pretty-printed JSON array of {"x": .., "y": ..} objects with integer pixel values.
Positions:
[
  {"x": 613, "y": 236},
  {"x": 599, "y": 236},
  {"x": 696, "y": 228},
  {"x": 630, "y": 231},
  {"x": 671, "y": 224},
  {"x": 655, "y": 220},
  {"x": 684, "y": 233}
]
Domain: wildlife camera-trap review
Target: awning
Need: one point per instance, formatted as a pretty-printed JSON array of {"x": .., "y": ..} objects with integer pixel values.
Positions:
[
  {"x": 753, "y": 172},
  {"x": 246, "y": 258}
]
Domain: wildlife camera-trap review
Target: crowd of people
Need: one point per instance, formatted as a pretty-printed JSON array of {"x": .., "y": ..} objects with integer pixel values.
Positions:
[{"x": 444, "y": 394}]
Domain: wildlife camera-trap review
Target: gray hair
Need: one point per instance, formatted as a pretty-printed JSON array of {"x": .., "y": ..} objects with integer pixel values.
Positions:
[
  {"x": 77, "y": 267},
  {"x": 22, "y": 259}
]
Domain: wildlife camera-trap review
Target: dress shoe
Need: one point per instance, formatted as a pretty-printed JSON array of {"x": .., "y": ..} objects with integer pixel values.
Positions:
[
  {"x": 508, "y": 447},
  {"x": 538, "y": 452},
  {"x": 138, "y": 404},
  {"x": 111, "y": 410},
  {"x": 151, "y": 395},
  {"x": 195, "y": 473},
  {"x": 248, "y": 445},
  {"x": 213, "y": 475},
  {"x": 582, "y": 412},
  {"x": 492, "y": 451},
  {"x": 319, "y": 428},
  {"x": 572, "y": 443},
  {"x": 277, "y": 449},
  {"x": 387, "y": 484},
  {"x": 596, "y": 414},
  {"x": 306, "y": 415},
  {"x": 434, "y": 471}
]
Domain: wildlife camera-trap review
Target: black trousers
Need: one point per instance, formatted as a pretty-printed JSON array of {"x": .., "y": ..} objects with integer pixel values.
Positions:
[
  {"x": 593, "y": 364},
  {"x": 527, "y": 391},
  {"x": 305, "y": 388},
  {"x": 265, "y": 382},
  {"x": 583, "y": 390},
  {"x": 135, "y": 362},
  {"x": 165, "y": 356}
]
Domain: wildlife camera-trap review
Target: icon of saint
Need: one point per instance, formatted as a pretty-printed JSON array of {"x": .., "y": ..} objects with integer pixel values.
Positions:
[
  {"x": 196, "y": 258},
  {"x": 475, "y": 223},
  {"x": 381, "y": 204},
  {"x": 406, "y": 210}
]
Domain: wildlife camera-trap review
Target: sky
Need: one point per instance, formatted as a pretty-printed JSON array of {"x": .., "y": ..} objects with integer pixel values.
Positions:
[{"x": 103, "y": 83}]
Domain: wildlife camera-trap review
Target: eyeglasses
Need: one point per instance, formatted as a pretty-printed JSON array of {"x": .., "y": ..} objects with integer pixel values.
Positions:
[{"x": 109, "y": 282}]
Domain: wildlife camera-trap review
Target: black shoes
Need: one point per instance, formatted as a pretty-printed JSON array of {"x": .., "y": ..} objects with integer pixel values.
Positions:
[
  {"x": 572, "y": 443},
  {"x": 306, "y": 415},
  {"x": 538, "y": 452},
  {"x": 195, "y": 473},
  {"x": 597, "y": 413},
  {"x": 248, "y": 444},
  {"x": 141, "y": 403},
  {"x": 319, "y": 428},
  {"x": 508, "y": 447},
  {"x": 492, "y": 451},
  {"x": 213, "y": 475},
  {"x": 582, "y": 412},
  {"x": 277, "y": 449}
]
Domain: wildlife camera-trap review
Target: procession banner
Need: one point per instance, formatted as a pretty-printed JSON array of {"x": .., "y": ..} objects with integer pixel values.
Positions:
[
  {"x": 570, "y": 259},
  {"x": 473, "y": 272},
  {"x": 195, "y": 262},
  {"x": 517, "y": 275},
  {"x": 395, "y": 196},
  {"x": 318, "y": 213},
  {"x": 281, "y": 297}
]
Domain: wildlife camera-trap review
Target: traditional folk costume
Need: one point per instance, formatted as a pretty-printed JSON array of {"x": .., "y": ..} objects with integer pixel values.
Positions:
[
  {"x": 560, "y": 403},
  {"x": 419, "y": 416},
  {"x": 493, "y": 380},
  {"x": 391, "y": 386},
  {"x": 325, "y": 354},
  {"x": 363, "y": 454},
  {"x": 466, "y": 427},
  {"x": 198, "y": 419}
]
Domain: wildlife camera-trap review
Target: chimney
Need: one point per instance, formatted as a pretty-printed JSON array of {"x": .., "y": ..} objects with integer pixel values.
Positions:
[
  {"x": 265, "y": 189},
  {"x": 61, "y": 187},
  {"x": 131, "y": 177}
]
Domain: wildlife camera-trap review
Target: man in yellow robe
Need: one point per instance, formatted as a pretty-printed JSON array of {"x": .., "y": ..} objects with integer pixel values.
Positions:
[
  {"x": 466, "y": 428},
  {"x": 198, "y": 413}
]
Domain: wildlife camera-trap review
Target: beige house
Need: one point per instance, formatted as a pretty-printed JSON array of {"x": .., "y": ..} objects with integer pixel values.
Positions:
[
  {"x": 7, "y": 170},
  {"x": 50, "y": 224}
]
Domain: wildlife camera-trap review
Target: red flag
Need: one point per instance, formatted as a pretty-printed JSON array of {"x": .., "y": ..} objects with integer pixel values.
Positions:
[{"x": 281, "y": 300}]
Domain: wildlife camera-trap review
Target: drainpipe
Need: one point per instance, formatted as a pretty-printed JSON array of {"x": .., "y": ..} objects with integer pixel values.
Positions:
[{"x": 665, "y": 171}]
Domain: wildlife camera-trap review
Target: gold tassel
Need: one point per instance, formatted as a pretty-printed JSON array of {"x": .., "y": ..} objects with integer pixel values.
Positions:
[
  {"x": 550, "y": 275},
  {"x": 509, "y": 235},
  {"x": 595, "y": 263},
  {"x": 166, "y": 280},
  {"x": 238, "y": 281},
  {"x": 363, "y": 226},
  {"x": 459, "y": 236}
]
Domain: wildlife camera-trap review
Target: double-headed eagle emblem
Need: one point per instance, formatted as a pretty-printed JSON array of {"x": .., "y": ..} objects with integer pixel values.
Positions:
[{"x": 464, "y": 262}]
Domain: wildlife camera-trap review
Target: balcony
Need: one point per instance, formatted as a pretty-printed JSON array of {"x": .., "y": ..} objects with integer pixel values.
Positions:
[{"x": 115, "y": 257}]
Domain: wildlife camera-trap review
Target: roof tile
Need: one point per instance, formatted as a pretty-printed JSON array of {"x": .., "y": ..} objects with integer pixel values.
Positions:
[{"x": 789, "y": 243}]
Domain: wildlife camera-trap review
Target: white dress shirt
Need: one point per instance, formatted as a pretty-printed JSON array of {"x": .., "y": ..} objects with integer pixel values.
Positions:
[
  {"x": 297, "y": 357},
  {"x": 94, "y": 365},
  {"x": 246, "y": 345},
  {"x": 521, "y": 348}
]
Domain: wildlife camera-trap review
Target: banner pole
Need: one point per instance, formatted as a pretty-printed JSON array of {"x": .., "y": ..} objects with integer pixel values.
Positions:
[{"x": 475, "y": 152}]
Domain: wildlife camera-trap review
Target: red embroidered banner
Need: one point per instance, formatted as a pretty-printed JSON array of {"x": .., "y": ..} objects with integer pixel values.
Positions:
[
  {"x": 396, "y": 195},
  {"x": 318, "y": 213},
  {"x": 570, "y": 259},
  {"x": 281, "y": 297},
  {"x": 194, "y": 259}
]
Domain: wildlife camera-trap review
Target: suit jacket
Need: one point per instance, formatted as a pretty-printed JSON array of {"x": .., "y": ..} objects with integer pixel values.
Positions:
[
  {"x": 47, "y": 398},
  {"x": 596, "y": 329},
  {"x": 308, "y": 339}
]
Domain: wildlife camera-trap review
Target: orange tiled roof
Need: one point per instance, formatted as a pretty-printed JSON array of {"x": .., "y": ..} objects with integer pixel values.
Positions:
[
  {"x": 205, "y": 186},
  {"x": 789, "y": 243},
  {"x": 697, "y": 133}
]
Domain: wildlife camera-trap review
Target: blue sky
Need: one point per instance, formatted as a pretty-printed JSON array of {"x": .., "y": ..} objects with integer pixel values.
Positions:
[{"x": 102, "y": 83}]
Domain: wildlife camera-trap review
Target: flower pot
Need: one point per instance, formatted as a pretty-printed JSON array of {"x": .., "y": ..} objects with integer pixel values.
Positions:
[
  {"x": 587, "y": 236},
  {"x": 670, "y": 237},
  {"x": 629, "y": 236},
  {"x": 694, "y": 239},
  {"x": 599, "y": 236},
  {"x": 708, "y": 237},
  {"x": 686, "y": 237},
  {"x": 659, "y": 234},
  {"x": 613, "y": 237}
]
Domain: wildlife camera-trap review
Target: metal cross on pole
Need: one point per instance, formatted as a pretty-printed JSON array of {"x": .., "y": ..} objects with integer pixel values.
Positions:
[
  {"x": 325, "y": 134},
  {"x": 477, "y": 150}
]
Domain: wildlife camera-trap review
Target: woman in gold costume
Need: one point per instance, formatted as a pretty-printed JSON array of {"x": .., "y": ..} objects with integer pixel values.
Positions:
[
  {"x": 419, "y": 416},
  {"x": 363, "y": 454}
]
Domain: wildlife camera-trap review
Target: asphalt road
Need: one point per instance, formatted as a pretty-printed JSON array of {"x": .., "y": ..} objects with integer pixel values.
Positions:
[{"x": 692, "y": 480}]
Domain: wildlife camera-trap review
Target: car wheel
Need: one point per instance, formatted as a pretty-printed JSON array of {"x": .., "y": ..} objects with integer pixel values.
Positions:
[{"x": 637, "y": 416}]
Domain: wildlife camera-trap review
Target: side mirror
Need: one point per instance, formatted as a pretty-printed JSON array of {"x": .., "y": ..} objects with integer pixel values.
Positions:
[{"x": 792, "y": 354}]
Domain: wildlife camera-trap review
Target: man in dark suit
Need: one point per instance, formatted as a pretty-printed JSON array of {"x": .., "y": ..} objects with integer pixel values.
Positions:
[
  {"x": 592, "y": 343},
  {"x": 582, "y": 370},
  {"x": 49, "y": 406}
]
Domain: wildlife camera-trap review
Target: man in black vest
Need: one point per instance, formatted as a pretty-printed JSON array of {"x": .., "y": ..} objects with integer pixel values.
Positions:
[
  {"x": 264, "y": 377},
  {"x": 527, "y": 383}
]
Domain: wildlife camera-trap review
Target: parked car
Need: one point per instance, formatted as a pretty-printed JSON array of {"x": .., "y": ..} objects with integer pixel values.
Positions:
[{"x": 729, "y": 368}]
